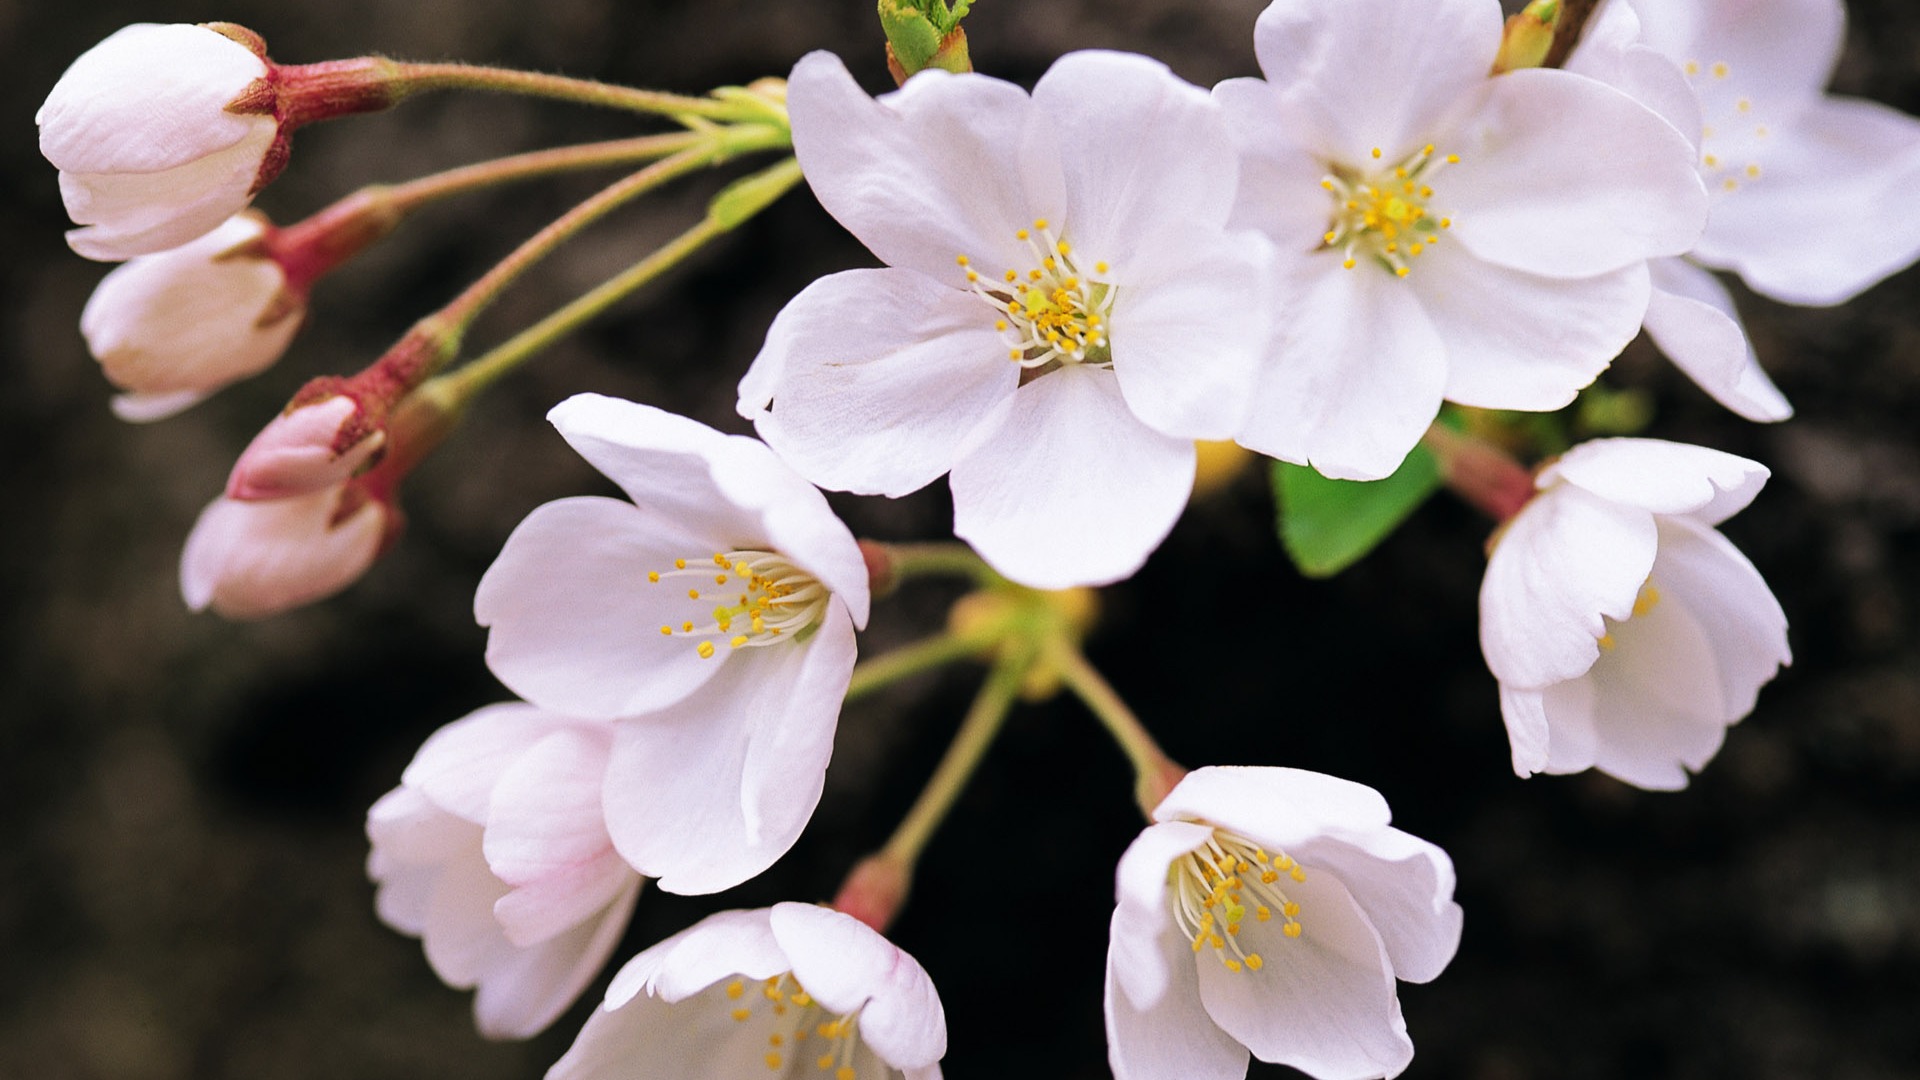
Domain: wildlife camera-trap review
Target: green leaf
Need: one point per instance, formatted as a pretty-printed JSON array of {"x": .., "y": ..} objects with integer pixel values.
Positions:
[{"x": 1327, "y": 525}]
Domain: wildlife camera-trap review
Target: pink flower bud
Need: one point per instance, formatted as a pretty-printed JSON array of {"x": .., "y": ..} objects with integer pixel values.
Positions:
[
  {"x": 312, "y": 446},
  {"x": 249, "y": 560},
  {"x": 149, "y": 154},
  {"x": 173, "y": 327}
]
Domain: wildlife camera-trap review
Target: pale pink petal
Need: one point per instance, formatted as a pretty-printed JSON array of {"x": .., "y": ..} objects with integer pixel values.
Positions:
[
  {"x": 128, "y": 214},
  {"x": 146, "y": 408},
  {"x": 1183, "y": 370},
  {"x": 844, "y": 965},
  {"x": 1521, "y": 341},
  {"x": 1359, "y": 74},
  {"x": 575, "y": 624},
  {"x": 1136, "y": 956},
  {"x": 1072, "y": 489},
  {"x": 1669, "y": 478},
  {"x": 949, "y": 165},
  {"x": 1101, "y": 109},
  {"x": 1279, "y": 191},
  {"x": 306, "y": 449},
  {"x": 1358, "y": 376},
  {"x": 694, "y": 1039},
  {"x": 1825, "y": 219},
  {"x": 1324, "y": 1002},
  {"x": 1404, "y": 886},
  {"x": 250, "y": 560},
  {"x": 458, "y": 766},
  {"x": 1777, "y": 52},
  {"x": 1566, "y": 560},
  {"x": 1692, "y": 319},
  {"x": 529, "y": 988},
  {"x": 1170, "y": 1037},
  {"x": 1567, "y": 177},
  {"x": 877, "y": 381},
  {"x": 1573, "y": 739},
  {"x": 1525, "y": 713},
  {"x": 1283, "y": 807},
  {"x": 462, "y": 941},
  {"x": 723, "y": 944},
  {"x": 1699, "y": 569}
]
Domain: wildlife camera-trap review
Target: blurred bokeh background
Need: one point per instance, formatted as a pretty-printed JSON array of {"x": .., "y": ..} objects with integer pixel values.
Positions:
[{"x": 181, "y": 799}]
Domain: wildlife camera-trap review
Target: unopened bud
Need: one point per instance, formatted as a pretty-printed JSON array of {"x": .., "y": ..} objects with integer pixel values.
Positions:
[
  {"x": 875, "y": 892},
  {"x": 249, "y": 560},
  {"x": 924, "y": 34},
  {"x": 313, "y": 445},
  {"x": 1528, "y": 37}
]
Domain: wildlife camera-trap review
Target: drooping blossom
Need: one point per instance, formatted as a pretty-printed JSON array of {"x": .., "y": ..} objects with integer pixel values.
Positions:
[
  {"x": 1062, "y": 311},
  {"x": 1268, "y": 911},
  {"x": 250, "y": 560},
  {"x": 494, "y": 852},
  {"x": 713, "y": 615},
  {"x": 1444, "y": 233},
  {"x": 163, "y": 131},
  {"x": 173, "y": 327},
  {"x": 1626, "y": 632},
  {"x": 789, "y": 991},
  {"x": 1809, "y": 189}
]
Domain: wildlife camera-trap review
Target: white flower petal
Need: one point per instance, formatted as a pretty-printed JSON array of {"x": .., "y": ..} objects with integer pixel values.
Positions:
[
  {"x": 1116, "y": 195},
  {"x": 708, "y": 793},
  {"x": 685, "y": 1040},
  {"x": 1692, "y": 319},
  {"x": 459, "y": 764},
  {"x": 1188, "y": 340},
  {"x": 575, "y": 624},
  {"x": 725, "y": 943},
  {"x": 945, "y": 167},
  {"x": 1283, "y": 807},
  {"x": 1706, "y": 485},
  {"x": 250, "y": 560},
  {"x": 1404, "y": 886},
  {"x": 1172, "y": 1038},
  {"x": 1279, "y": 191},
  {"x": 1324, "y": 1002},
  {"x": 1564, "y": 561},
  {"x": 1826, "y": 217},
  {"x": 1360, "y": 74},
  {"x": 1136, "y": 956},
  {"x": 1357, "y": 379},
  {"x": 877, "y": 381},
  {"x": 1528, "y": 730},
  {"x": 128, "y": 214},
  {"x": 547, "y": 835},
  {"x": 845, "y": 965},
  {"x": 1777, "y": 52},
  {"x": 1564, "y": 176},
  {"x": 1727, "y": 595},
  {"x": 146, "y": 408},
  {"x": 1517, "y": 340},
  {"x": 1072, "y": 489},
  {"x": 529, "y": 988}
]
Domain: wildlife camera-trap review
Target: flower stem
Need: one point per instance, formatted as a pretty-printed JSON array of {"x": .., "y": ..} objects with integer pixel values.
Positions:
[
  {"x": 983, "y": 722},
  {"x": 413, "y": 194},
  {"x": 470, "y": 379},
  {"x": 1154, "y": 772},
  {"x": 1573, "y": 24},
  {"x": 1481, "y": 474},
  {"x": 908, "y": 661},
  {"x": 413, "y": 78},
  {"x": 909, "y": 560}
]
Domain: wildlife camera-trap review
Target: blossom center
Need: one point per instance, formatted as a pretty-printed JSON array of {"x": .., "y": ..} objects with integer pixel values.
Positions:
[
  {"x": 798, "y": 1029},
  {"x": 1213, "y": 888},
  {"x": 1052, "y": 312},
  {"x": 1385, "y": 214},
  {"x": 1646, "y": 600},
  {"x": 1732, "y": 137},
  {"x": 757, "y": 598}
]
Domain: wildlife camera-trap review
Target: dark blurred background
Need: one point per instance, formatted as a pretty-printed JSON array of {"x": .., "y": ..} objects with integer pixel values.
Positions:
[{"x": 181, "y": 885}]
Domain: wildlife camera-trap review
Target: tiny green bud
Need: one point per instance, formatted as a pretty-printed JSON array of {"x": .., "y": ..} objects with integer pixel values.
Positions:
[{"x": 1528, "y": 37}]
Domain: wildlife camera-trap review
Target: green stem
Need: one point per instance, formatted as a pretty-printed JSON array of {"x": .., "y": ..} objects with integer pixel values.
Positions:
[
  {"x": 889, "y": 668},
  {"x": 983, "y": 722},
  {"x": 417, "y": 77},
  {"x": 470, "y": 379},
  {"x": 909, "y": 560},
  {"x": 411, "y": 195},
  {"x": 1154, "y": 772}
]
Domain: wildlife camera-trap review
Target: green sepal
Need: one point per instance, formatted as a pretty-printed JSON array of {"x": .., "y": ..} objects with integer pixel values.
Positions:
[
  {"x": 925, "y": 33},
  {"x": 1328, "y": 525}
]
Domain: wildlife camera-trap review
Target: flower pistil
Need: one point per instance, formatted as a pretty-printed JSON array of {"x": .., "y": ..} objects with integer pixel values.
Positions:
[
  {"x": 1053, "y": 312},
  {"x": 1386, "y": 213}
]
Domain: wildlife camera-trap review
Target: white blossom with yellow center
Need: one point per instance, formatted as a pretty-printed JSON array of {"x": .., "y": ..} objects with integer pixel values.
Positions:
[
  {"x": 1268, "y": 912},
  {"x": 1064, "y": 309},
  {"x": 712, "y": 618},
  {"x": 1626, "y": 633},
  {"x": 1444, "y": 234},
  {"x": 792, "y": 992}
]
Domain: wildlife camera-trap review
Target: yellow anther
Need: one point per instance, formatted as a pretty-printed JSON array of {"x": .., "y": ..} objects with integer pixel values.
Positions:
[
  {"x": 679, "y": 564},
  {"x": 1693, "y": 67},
  {"x": 1254, "y": 962},
  {"x": 1415, "y": 249},
  {"x": 1401, "y": 271},
  {"x": 845, "y": 1072},
  {"x": 1015, "y": 354},
  {"x": 1268, "y": 877},
  {"x": 1011, "y": 275},
  {"x": 1292, "y": 929},
  {"x": 742, "y": 1014},
  {"x": 825, "y": 1061},
  {"x": 802, "y": 998},
  {"x": 735, "y": 989},
  {"x": 1427, "y": 150},
  {"x": 1400, "y": 172},
  {"x": 1328, "y": 184},
  {"x": 1290, "y": 909},
  {"x": 719, "y": 579},
  {"x": 1233, "y": 965},
  {"x": 1348, "y": 264},
  {"x": 1376, "y": 153},
  {"x": 705, "y": 650},
  {"x": 667, "y": 631},
  {"x": 773, "y": 1060},
  {"x": 1262, "y": 913},
  {"x": 1000, "y": 325},
  {"x": 1710, "y": 161},
  {"x": 1753, "y": 172},
  {"x": 1327, "y": 239},
  {"x": 1743, "y": 105},
  {"x": 653, "y": 575},
  {"x": 1216, "y": 941},
  {"x": 1453, "y": 159},
  {"x": 1730, "y": 184},
  {"x": 1720, "y": 70},
  {"x": 693, "y": 594},
  {"x": 1040, "y": 223},
  {"x": 1099, "y": 268},
  {"x": 1199, "y": 943},
  {"x": 737, "y": 642},
  {"x": 1062, "y": 248},
  {"x": 1020, "y": 234},
  {"x": 961, "y": 259},
  {"x": 1297, "y": 874},
  {"x": 972, "y": 276},
  {"x": 1446, "y": 223},
  {"x": 776, "y": 1039}
]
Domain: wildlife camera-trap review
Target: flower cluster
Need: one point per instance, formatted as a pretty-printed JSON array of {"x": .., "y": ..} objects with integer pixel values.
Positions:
[{"x": 1396, "y": 237}]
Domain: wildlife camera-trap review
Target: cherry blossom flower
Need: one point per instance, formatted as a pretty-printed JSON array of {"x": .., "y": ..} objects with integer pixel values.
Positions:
[
  {"x": 250, "y": 560},
  {"x": 1269, "y": 911},
  {"x": 150, "y": 153},
  {"x": 313, "y": 445},
  {"x": 1626, "y": 632},
  {"x": 714, "y": 615},
  {"x": 788, "y": 991},
  {"x": 173, "y": 327},
  {"x": 494, "y": 852},
  {"x": 1061, "y": 314},
  {"x": 1807, "y": 187},
  {"x": 1444, "y": 233}
]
